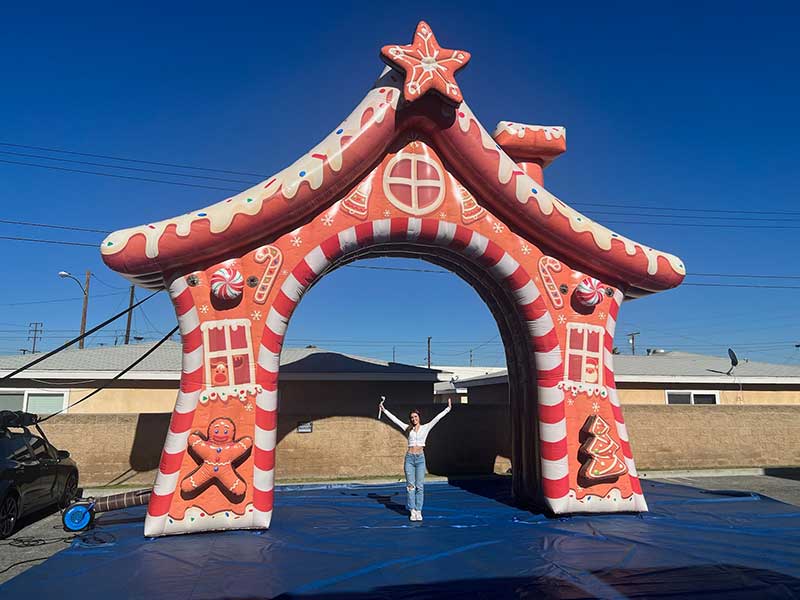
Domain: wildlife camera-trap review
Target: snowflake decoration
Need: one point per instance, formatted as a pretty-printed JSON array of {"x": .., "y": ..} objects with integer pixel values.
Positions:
[
  {"x": 296, "y": 241},
  {"x": 427, "y": 66},
  {"x": 498, "y": 228},
  {"x": 204, "y": 308},
  {"x": 442, "y": 215},
  {"x": 570, "y": 402},
  {"x": 256, "y": 316},
  {"x": 248, "y": 407},
  {"x": 387, "y": 213},
  {"x": 601, "y": 314},
  {"x": 595, "y": 407},
  {"x": 562, "y": 319},
  {"x": 526, "y": 249},
  {"x": 327, "y": 220}
]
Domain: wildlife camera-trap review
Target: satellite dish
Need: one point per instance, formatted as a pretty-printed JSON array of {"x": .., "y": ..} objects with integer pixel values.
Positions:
[{"x": 734, "y": 360}]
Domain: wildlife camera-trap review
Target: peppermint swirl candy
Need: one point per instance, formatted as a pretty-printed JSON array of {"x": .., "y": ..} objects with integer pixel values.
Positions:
[
  {"x": 589, "y": 292},
  {"x": 227, "y": 283}
]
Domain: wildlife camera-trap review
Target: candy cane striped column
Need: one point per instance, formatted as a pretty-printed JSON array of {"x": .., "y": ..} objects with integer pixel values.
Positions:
[
  {"x": 182, "y": 416},
  {"x": 622, "y": 431},
  {"x": 478, "y": 248}
]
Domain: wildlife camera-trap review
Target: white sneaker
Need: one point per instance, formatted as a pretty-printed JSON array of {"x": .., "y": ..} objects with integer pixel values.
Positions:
[
  {"x": 415, "y": 516},
  {"x": 412, "y": 515},
  {"x": 419, "y": 515}
]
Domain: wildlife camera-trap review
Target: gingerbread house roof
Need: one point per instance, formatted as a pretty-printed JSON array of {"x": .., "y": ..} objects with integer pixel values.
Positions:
[{"x": 152, "y": 253}]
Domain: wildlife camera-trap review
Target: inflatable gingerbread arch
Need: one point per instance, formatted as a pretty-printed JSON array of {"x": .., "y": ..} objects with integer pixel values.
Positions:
[{"x": 412, "y": 173}]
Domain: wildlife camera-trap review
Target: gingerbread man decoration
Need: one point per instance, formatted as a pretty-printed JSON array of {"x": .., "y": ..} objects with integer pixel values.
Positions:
[{"x": 218, "y": 453}]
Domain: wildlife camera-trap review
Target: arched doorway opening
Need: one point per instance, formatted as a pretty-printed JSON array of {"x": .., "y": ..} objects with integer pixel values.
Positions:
[{"x": 510, "y": 327}]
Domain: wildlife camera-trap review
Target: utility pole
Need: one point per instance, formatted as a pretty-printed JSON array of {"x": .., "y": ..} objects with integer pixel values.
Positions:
[
  {"x": 394, "y": 349},
  {"x": 85, "y": 306},
  {"x": 429, "y": 352},
  {"x": 34, "y": 331},
  {"x": 130, "y": 315},
  {"x": 470, "y": 357},
  {"x": 632, "y": 340}
]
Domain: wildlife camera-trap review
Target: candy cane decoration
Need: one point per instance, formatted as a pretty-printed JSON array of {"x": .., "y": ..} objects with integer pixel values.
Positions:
[
  {"x": 589, "y": 292},
  {"x": 227, "y": 283},
  {"x": 547, "y": 266},
  {"x": 274, "y": 259}
]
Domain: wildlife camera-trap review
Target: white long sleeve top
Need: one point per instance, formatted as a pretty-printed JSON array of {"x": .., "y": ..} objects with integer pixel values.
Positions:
[{"x": 416, "y": 437}]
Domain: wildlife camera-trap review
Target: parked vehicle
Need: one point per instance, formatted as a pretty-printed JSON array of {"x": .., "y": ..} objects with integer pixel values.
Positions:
[{"x": 33, "y": 473}]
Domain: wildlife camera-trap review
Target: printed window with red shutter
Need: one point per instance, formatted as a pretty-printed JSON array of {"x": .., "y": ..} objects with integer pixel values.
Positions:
[
  {"x": 228, "y": 353},
  {"x": 584, "y": 359}
]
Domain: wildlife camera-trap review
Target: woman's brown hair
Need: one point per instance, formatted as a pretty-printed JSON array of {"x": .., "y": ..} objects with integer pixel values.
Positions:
[{"x": 411, "y": 412}]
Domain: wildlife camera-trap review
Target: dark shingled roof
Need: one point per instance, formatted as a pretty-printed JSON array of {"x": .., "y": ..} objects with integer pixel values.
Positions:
[{"x": 166, "y": 360}]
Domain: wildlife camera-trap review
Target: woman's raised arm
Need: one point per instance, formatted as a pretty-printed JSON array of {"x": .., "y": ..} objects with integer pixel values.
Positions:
[
  {"x": 441, "y": 415},
  {"x": 392, "y": 418}
]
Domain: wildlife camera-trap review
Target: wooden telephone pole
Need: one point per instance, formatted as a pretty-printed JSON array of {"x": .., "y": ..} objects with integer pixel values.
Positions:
[
  {"x": 85, "y": 306},
  {"x": 429, "y": 352},
  {"x": 130, "y": 316}
]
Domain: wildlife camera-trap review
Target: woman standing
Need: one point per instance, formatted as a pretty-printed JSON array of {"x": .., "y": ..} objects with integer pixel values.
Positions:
[{"x": 415, "y": 457}]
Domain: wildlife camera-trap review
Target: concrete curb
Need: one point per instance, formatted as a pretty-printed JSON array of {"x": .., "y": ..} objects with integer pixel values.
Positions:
[{"x": 702, "y": 473}]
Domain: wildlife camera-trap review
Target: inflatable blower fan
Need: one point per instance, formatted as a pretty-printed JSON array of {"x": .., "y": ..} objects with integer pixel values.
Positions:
[{"x": 80, "y": 514}]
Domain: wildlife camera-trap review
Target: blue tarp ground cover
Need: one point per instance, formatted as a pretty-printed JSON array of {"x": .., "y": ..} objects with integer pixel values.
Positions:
[{"x": 355, "y": 542}]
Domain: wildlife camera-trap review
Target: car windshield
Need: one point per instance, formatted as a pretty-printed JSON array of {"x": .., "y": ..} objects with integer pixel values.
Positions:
[{"x": 39, "y": 447}]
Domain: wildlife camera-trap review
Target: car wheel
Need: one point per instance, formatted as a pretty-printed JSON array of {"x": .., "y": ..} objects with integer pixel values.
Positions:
[
  {"x": 9, "y": 513},
  {"x": 70, "y": 491}
]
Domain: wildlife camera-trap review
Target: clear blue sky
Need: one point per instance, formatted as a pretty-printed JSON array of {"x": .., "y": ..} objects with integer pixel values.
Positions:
[{"x": 692, "y": 109}]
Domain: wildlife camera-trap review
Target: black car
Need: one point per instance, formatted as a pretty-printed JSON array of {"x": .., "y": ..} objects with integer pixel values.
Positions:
[{"x": 33, "y": 473}]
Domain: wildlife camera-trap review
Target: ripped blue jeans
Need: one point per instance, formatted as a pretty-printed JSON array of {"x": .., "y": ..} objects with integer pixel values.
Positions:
[{"x": 415, "y": 480}]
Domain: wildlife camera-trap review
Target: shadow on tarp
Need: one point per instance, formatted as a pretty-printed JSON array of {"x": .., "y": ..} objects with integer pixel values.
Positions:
[{"x": 338, "y": 541}]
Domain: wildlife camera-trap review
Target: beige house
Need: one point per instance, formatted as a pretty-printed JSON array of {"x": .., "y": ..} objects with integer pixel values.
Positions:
[
  {"x": 675, "y": 378},
  {"x": 311, "y": 379},
  {"x": 328, "y": 426}
]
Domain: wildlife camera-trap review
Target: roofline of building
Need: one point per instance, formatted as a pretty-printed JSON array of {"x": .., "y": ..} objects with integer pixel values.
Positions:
[
  {"x": 683, "y": 379},
  {"x": 176, "y": 376}
]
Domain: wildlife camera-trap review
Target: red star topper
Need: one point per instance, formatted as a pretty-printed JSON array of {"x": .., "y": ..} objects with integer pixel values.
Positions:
[{"x": 428, "y": 66}]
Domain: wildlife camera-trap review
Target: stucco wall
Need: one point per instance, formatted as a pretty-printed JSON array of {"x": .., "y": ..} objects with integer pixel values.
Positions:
[
  {"x": 709, "y": 437},
  {"x": 125, "y": 400},
  {"x": 472, "y": 439},
  {"x": 655, "y": 394}
]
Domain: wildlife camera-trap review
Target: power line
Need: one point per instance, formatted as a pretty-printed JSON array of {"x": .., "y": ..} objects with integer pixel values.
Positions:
[
  {"x": 133, "y": 160},
  {"x": 710, "y": 225},
  {"x": 40, "y": 241},
  {"x": 745, "y": 276},
  {"x": 408, "y": 269},
  {"x": 137, "y": 169},
  {"x": 131, "y": 177},
  {"x": 113, "y": 287},
  {"x": 684, "y": 209},
  {"x": 748, "y": 218},
  {"x": 57, "y": 300},
  {"x": 745, "y": 285},
  {"x": 49, "y": 226}
]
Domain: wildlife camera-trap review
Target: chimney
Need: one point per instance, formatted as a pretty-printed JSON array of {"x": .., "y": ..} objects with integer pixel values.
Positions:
[{"x": 532, "y": 147}]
